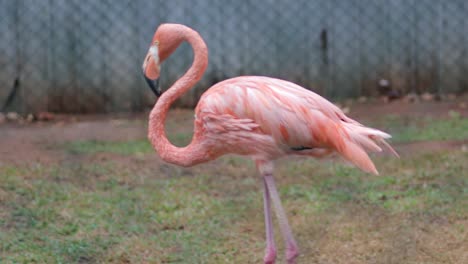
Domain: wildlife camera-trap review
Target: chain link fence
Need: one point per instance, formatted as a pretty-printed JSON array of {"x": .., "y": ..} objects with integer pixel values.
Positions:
[{"x": 86, "y": 55}]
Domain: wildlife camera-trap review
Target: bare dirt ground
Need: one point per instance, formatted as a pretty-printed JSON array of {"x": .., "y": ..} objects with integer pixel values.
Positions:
[{"x": 31, "y": 141}]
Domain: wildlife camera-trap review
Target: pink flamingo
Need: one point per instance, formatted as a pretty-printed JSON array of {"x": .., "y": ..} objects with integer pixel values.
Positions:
[{"x": 260, "y": 117}]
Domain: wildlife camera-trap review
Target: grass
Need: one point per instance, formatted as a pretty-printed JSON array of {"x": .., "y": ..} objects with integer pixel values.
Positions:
[
  {"x": 71, "y": 220},
  {"x": 402, "y": 188},
  {"x": 405, "y": 129},
  {"x": 104, "y": 212},
  {"x": 140, "y": 146},
  {"x": 402, "y": 129},
  {"x": 95, "y": 146},
  {"x": 138, "y": 210}
]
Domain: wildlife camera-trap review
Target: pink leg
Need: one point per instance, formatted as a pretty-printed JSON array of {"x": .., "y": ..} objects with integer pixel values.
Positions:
[
  {"x": 270, "y": 251},
  {"x": 291, "y": 246}
]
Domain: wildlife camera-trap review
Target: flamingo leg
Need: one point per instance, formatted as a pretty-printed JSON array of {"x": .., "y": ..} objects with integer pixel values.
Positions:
[
  {"x": 270, "y": 251},
  {"x": 291, "y": 246}
]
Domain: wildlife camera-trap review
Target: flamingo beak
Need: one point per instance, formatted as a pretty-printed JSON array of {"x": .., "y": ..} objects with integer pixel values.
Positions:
[
  {"x": 151, "y": 70},
  {"x": 154, "y": 85}
]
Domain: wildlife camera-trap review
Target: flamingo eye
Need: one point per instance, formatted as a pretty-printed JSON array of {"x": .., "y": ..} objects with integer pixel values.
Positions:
[{"x": 156, "y": 43}]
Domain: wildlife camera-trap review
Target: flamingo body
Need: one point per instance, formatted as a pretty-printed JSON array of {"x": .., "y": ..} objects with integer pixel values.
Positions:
[
  {"x": 267, "y": 118},
  {"x": 260, "y": 117}
]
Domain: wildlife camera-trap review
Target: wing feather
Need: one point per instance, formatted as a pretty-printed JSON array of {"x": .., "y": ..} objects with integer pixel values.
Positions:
[{"x": 294, "y": 117}]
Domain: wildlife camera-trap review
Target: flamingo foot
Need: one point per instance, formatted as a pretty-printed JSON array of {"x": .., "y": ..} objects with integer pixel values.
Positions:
[
  {"x": 291, "y": 253},
  {"x": 270, "y": 255}
]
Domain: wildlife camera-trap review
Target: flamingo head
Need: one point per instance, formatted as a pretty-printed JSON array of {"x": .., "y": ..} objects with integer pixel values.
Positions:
[{"x": 165, "y": 41}]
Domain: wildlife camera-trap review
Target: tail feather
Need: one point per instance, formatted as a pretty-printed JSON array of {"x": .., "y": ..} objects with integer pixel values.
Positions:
[
  {"x": 359, "y": 139},
  {"x": 366, "y": 142},
  {"x": 369, "y": 138},
  {"x": 385, "y": 143},
  {"x": 358, "y": 157}
]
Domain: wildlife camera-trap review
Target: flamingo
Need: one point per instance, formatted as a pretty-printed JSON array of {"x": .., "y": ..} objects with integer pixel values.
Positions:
[{"x": 260, "y": 117}]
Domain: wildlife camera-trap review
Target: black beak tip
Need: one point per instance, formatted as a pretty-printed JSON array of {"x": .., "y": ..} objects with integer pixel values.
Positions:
[{"x": 154, "y": 85}]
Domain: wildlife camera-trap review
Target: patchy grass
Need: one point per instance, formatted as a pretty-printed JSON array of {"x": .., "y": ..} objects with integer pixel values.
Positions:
[
  {"x": 106, "y": 212},
  {"x": 119, "y": 147},
  {"x": 419, "y": 184},
  {"x": 406, "y": 129},
  {"x": 402, "y": 129},
  {"x": 56, "y": 217},
  {"x": 140, "y": 146},
  {"x": 135, "y": 209}
]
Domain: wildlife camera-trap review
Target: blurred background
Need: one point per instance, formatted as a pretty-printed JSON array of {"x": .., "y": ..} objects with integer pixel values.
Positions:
[
  {"x": 84, "y": 56},
  {"x": 80, "y": 182}
]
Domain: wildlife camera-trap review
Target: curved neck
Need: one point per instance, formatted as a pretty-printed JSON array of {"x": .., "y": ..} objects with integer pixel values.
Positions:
[{"x": 193, "y": 153}]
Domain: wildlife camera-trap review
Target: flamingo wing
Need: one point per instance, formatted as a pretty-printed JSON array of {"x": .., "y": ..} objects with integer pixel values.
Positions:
[{"x": 297, "y": 119}]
